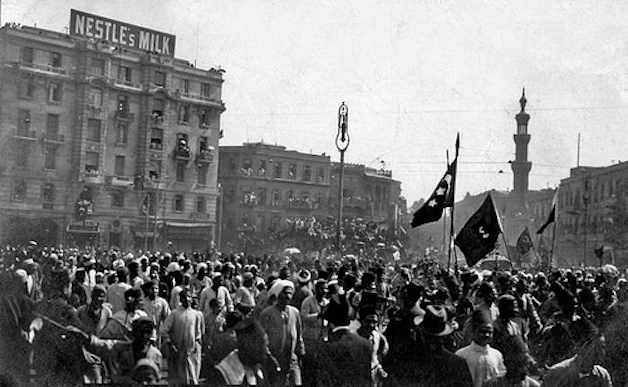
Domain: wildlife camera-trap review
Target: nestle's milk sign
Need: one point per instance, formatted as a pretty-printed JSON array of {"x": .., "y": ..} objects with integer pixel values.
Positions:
[{"x": 119, "y": 33}]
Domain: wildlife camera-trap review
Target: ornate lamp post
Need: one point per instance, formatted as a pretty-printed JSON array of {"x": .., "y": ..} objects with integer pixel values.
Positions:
[{"x": 342, "y": 143}]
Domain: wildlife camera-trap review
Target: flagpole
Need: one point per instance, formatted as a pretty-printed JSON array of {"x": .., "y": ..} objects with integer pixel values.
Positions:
[
  {"x": 551, "y": 262},
  {"x": 453, "y": 200}
]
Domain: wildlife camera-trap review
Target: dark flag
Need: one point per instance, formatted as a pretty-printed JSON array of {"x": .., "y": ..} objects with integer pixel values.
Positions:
[
  {"x": 432, "y": 209},
  {"x": 479, "y": 235},
  {"x": 552, "y": 216},
  {"x": 524, "y": 246}
]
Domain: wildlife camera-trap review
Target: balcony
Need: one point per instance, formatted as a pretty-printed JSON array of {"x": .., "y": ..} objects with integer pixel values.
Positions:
[
  {"x": 92, "y": 175},
  {"x": 36, "y": 67},
  {"x": 124, "y": 115},
  {"x": 157, "y": 120},
  {"x": 54, "y": 138},
  {"x": 29, "y": 135},
  {"x": 181, "y": 153},
  {"x": 94, "y": 111},
  {"x": 127, "y": 84},
  {"x": 206, "y": 156},
  {"x": 121, "y": 181}
]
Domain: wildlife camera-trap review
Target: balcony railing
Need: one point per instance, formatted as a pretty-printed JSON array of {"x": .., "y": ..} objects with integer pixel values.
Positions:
[
  {"x": 205, "y": 156},
  {"x": 181, "y": 153},
  {"x": 54, "y": 138},
  {"x": 46, "y": 68},
  {"x": 124, "y": 115},
  {"x": 26, "y": 134}
]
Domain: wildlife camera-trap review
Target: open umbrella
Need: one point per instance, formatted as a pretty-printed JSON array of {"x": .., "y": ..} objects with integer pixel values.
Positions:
[{"x": 291, "y": 251}]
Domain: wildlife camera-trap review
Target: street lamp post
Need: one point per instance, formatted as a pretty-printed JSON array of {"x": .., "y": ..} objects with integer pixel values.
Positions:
[
  {"x": 219, "y": 222},
  {"x": 342, "y": 143}
]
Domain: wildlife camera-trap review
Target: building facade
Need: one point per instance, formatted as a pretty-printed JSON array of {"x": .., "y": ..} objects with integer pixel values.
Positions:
[
  {"x": 592, "y": 214},
  {"x": 263, "y": 185},
  {"x": 107, "y": 144},
  {"x": 267, "y": 188}
]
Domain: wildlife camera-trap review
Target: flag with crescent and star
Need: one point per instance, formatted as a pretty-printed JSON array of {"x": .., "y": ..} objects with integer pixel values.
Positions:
[
  {"x": 478, "y": 236},
  {"x": 524, "y": 248},
  {"x": 432, "y": 209}
]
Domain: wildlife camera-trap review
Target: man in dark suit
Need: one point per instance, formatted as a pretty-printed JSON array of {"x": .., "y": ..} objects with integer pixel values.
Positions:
[
  {"x": 346, "y": 358},
  {"x": 427, "y": 362}
]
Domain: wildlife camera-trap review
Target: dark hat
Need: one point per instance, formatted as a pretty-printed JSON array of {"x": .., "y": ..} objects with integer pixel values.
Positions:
[
  {"x": 338, "y": 312},
  {"x": 147, "y": 285},
  {"x": 435, "y": 322},
  {"x": 99, "y": 288},
  {"x": 132, "y": 293},
  {"x": 304, "y": 276},
  {"x": 481, "y": 317},
  {"x": 506, "y": 301}
]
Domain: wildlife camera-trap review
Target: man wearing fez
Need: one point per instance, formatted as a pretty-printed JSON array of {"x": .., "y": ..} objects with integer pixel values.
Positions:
[{"x": 428, "y": 363}]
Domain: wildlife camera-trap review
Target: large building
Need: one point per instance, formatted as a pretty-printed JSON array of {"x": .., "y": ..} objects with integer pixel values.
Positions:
[
  {"x": 264, "y": 184},
  {"x": 592, "y": 214},
  {"x": 108, "y": 139},
  {"x": 265, "y": 187}
]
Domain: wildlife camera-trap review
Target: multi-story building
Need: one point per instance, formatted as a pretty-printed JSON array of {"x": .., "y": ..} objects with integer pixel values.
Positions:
[
  {"x": 591, "y": 214},
  {"x": 267, "y": 187},
  {"x": 264, "y": 184},
  {"x": 108, "y": 138},
  {"x": 368, "y": 193}
]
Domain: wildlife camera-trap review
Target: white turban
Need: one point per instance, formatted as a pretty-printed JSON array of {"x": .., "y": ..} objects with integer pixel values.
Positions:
[{"x": 278, "y": 287}]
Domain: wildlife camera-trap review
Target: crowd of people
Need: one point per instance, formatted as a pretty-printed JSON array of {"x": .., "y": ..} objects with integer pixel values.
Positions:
[{"x": 72, "y": 317}]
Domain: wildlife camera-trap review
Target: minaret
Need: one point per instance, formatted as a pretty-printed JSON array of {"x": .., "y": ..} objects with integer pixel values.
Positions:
[{"x": 521, "y": 166}]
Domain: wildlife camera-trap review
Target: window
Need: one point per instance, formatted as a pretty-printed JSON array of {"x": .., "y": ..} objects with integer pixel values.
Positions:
[
  {"x": 27, "y": 86},
  {"x": 24, "y": 123},
  {"x": 122, "y": 131},
  {"x": 93, "y": 130},
  {"x": 98, "y": 66},
  {"x": 178, "y": 203},
  {"x": 19, "y": 190},
  {"x": 123, "y": 106},
  {"x": 21, "y": 156},
  {"x": 307, "y": 173},
  {"x": 154, "y": 168},
  {"x": 185, "y": 85},
  {"x": 159, "y": 106},
  {"x": 48, "y": 196},
  {"x": 180, "y": 175},
  {"x": 52, "y": 126},
  {"x": 201, "y": 204},
  {"x": 160, "y": 79},
  {"x": 262, "y": 168},
  {"x": 205, "y": 90},
  {"x": 94, "y": 99},
  {"x": 278, "y": 170},
  {"x": 54, "y": 92},
  {"x": 203, "y": 119},
  {"x": 124, "y": 73},
  {"x": 247, "y": 167},
  {"x": 261, "y": 196},
  {"x": 232, "y": 166},
  {"x": 184, "y": 114},
  {"x": 28, "y": 54},
  {"x": 55, "y": 60},
  {"x": 182, "y": 144},
  {"x": 117, "y": 199},
  {"x": 292, "y": 172},
  {"x": 119, "y": 166},
  {"x": 202, "y": 174},
  {"x": 92, "y": 160},
  {"x": 156, "y": 138},
  {"x": 321, "y": 175},
  {"x": 276, "y": 198},
  {"x": 50, "y": 157}
]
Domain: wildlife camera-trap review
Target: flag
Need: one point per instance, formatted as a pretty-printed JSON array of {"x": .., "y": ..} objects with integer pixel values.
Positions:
[
  {"x": 478, "y": 236},
  {"x": 432, "y": 209},
  {"x": 552, "y": 216},
  {"x": 524, "y": 247}
]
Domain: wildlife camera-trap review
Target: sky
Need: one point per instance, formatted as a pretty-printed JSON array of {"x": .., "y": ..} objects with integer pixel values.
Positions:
[{"x": 413, "y": 74}]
